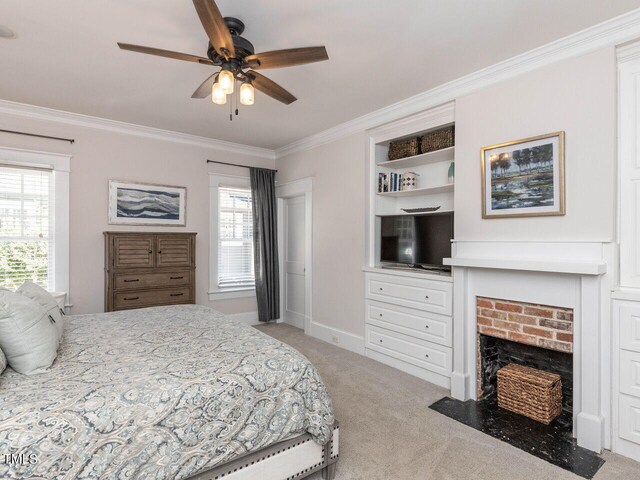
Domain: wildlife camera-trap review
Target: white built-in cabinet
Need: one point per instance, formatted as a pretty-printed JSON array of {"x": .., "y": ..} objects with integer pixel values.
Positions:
[
  {"x": 409, "y": 324},
  {"x": 408, "y": 314},
  {"x": 626, "y": 299}
]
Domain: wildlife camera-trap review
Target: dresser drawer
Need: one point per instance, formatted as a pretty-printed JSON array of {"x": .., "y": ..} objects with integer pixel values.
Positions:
[
  {"x": 415, "y": 293},
  {"x": 630, "y": 328},
  {"x": 630, "y": 373},
  {"x": 414, "y": 323},
  {"x": 134, "y": 281},
  {"x": 629, "y": 418},
  {"x": 137, "y": 299},
  {"x": 418, "y": 352}
]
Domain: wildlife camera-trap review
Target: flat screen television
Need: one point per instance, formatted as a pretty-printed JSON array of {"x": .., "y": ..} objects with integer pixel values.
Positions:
[{"x": 421, "y": 241}]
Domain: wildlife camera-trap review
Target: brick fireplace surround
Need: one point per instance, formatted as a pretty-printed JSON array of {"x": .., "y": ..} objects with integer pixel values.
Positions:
[{"x": 538, "y": 325}]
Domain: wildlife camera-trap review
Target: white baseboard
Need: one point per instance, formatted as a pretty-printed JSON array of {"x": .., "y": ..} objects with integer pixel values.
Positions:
[{"x": 346, "y": 340}]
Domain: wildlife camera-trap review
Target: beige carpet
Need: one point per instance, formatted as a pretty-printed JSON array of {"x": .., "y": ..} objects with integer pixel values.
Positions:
[{"x": 387, "y": 431}]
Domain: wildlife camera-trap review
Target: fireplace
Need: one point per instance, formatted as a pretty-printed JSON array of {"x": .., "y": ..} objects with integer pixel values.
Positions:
[{"x": 538, "y": 336}]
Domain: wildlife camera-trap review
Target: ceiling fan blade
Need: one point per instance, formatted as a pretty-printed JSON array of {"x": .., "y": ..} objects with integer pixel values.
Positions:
[
  {"x": 270, "y": 87},
  {"x": 165, "y": 53},
  {"x": 215, "y": 26},
  {"x": 204, "y": 90},
  {"x": 287, "y": 58}
]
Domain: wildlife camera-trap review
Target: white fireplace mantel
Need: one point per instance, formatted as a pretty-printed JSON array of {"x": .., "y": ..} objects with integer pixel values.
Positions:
[
  {"x": 566, "y": 274},
  {"x": 552, "y": 266}
]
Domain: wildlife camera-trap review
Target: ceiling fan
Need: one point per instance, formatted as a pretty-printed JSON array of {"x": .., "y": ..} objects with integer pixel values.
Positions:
[{"x": 236, "y": 58}]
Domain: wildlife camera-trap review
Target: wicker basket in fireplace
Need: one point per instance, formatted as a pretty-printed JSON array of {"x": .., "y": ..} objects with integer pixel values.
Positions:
[{"x": 530, "y": 392}]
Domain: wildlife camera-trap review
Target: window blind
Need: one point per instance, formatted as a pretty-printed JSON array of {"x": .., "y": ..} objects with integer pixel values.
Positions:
[
  {"x": 235, "y": 238},
  {"x": 26, "y": 226}
]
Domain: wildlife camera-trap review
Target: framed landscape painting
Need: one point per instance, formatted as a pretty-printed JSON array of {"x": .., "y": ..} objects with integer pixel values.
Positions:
[
  {"x": 146, "y": 204},
  {"x": 524, "y": 178}
]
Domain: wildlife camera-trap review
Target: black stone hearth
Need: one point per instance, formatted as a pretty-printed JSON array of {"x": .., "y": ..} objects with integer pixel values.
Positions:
[{"x": 553, "y": 443}]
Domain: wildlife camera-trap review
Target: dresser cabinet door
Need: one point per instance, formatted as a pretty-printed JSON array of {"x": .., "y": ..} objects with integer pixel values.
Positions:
[
  {"x": 133, "y": 252},
  {"x": 174, "y": 251}
]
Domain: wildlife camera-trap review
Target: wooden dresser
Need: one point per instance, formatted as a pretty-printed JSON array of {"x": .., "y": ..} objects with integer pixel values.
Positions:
[{"x": 146, "y": 269}]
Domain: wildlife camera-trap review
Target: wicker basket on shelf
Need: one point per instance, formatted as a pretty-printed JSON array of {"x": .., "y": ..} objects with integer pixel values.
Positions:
[
  {"x": 530, "y": 392},
  {"x": 404, "y": 148},
  {"x": 437, "y": 140}
]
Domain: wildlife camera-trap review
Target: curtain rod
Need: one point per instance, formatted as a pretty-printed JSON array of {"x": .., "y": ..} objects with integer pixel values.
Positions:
[
  {"x": 70, "y": 140},
  {"x": 238, "y": 165}
]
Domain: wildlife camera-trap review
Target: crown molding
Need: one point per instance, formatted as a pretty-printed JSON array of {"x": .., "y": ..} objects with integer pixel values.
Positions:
[
  {"x": 613, "y": 32},
  {"x": 87, "y": 121},
  {"x": 627, "y": 52}
]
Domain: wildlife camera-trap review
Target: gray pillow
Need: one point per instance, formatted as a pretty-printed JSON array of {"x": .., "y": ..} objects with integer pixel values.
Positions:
[
  {"x": 28, "y": 337},
  {"x": 44, "y": 298}
]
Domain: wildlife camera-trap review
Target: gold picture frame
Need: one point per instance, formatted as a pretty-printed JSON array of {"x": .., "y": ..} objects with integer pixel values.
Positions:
[{"x": 524, "y": 182}]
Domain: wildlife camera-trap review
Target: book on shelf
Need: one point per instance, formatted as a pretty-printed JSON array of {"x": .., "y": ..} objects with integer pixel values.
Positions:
[{"x": 389, "y": 182}]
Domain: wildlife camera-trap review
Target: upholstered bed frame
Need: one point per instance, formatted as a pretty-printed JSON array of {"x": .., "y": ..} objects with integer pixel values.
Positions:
[{"x": 292, "y": 459}]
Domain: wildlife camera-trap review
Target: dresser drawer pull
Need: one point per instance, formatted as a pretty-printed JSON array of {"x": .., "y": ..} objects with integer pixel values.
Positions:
[
  {"x": 426, "y": 326},
  {"x": 134, "y": 280},
  {"x": 176, "y": 278},
  {"x": 150, "y": 251},
  {"x": 380, "y": 314},
  {"x": 132, "y": 298},
  {"x": 381, "y": 341},
  {"x": 426, "y": 297},
  {"x": 176, "y": 294},
  {"x": 159, "y": 251},
  {"x": 380, "y": 288},
  {"x": 426, "y": 355}
]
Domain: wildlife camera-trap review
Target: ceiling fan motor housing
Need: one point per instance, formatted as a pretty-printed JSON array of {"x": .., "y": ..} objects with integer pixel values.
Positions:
[{"x": 243, "y": 47}]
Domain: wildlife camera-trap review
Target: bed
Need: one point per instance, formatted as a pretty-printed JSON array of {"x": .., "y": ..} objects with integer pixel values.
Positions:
[{"x": 167, "y": 392}]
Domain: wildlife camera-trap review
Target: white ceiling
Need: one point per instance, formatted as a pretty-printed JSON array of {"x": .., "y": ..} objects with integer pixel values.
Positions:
[{"x": 380, "y": 51}]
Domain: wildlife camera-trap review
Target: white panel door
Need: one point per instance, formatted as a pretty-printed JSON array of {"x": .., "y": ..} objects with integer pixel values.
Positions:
[
  {"x": 629, "y": 171},
  {"x": 294, "y": 261}
]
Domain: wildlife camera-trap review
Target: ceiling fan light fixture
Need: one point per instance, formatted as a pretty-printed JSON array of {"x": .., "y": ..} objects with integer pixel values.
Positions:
[
  {"x": 226, "y": 81},
  {"x": 247, "y": 95},
  {"x": 218, "y": 95}
]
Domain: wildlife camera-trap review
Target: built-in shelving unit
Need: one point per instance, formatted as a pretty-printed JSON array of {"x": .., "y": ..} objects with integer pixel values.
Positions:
[
  {"x": 433, "y": 186},
  {"x": 408, "y": 313}
]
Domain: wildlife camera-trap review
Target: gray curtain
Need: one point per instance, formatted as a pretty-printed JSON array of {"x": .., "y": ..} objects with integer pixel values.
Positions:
[{"x": 265, "y": 243}]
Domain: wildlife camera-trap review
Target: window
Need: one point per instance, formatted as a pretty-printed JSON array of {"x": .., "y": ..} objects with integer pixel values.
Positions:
[
  {"x": 27, "y": 240},
  {"x": 235, "y": 238},
  {"x": 34, "y": 219}
]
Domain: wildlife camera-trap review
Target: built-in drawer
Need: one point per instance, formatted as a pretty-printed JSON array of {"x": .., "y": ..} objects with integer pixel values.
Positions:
[
  {"x": 630, "y": 373},
  {"x": 630, "y": 328},
  {"x": 430, "y": 295},
  {"x": 128, "y": 281},
  {"x": 415, "y": 323},
  {"x": 629, "y": 418},
  {"x": 412, "y": 350},
  {"x": 137, "y": 299}
]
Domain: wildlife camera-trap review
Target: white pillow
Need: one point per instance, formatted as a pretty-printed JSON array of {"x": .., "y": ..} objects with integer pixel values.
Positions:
[
  {"x": 28, "y": 337},
  {"x": 44, "y": 298}
]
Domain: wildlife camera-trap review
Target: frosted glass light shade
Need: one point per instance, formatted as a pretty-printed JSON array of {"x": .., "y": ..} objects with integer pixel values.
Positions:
[
  {"x": 246, "y": 94},
  {"x": 218, "y": 96},
  {"x": 226, "y": 81}
]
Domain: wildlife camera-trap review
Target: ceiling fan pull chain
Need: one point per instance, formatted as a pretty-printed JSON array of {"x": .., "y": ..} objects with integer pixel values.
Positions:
[{"x": 237, "y": 91}]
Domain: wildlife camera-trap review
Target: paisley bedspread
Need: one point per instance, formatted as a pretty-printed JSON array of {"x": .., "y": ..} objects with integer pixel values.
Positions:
[{"x": 157, "y": 393}]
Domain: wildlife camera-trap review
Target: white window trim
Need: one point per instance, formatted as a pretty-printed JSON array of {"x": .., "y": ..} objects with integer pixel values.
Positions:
[
  {"x": 61, "y": 165},
  {"x": 215, "y": 292}
]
